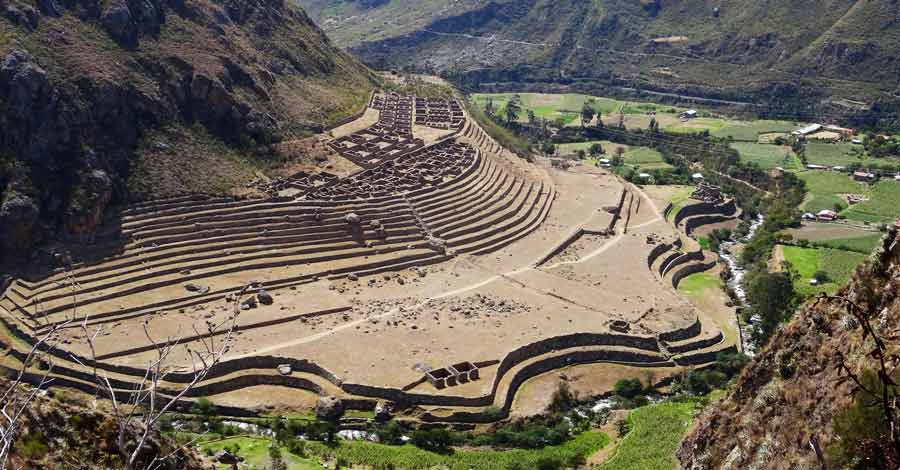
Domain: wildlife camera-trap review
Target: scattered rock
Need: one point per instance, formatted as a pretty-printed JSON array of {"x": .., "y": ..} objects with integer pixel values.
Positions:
[
  {"x": 382, "y": 411},
  {"x": 285, "y": 369},
  {"x": 265, "y": 297}
]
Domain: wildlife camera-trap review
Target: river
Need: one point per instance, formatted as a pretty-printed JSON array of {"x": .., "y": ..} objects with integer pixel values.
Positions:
[{"x": 736, "y": 282}]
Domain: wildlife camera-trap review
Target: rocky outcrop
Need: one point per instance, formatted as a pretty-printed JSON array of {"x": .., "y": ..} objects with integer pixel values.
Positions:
[
  {"x": 76, "y": 115},
  {"x": 785, "y": 403}
]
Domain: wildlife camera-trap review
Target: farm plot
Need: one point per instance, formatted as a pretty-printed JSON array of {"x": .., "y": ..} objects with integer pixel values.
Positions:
[
  {"x": 841, "y": 154},
  {"x": 883, "y": 204},
  {"x": 826, "y": 187},
  {"x": 838, "y": 265},
  {"x": 750, "y": 131},
  {"x": 767, "y": 156}
]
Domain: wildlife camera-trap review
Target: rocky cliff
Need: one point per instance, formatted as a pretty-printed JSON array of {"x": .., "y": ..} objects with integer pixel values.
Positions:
[
  {"x": 781, "y": 413},
  {"x": 110, "y": 100}
]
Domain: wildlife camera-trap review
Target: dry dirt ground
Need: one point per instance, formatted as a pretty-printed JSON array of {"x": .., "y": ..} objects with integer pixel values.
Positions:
[{"x": 381, "y": 330}]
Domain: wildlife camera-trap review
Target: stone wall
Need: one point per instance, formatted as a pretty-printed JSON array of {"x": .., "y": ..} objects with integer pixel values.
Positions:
[{"x": 703, "y": 208}]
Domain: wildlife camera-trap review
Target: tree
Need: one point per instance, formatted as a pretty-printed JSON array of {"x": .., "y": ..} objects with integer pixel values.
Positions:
[
  {"x": 548, "y": 149},
  {"x": 563, "y": 399},
  {"x": 581, "y": 154},
  {"x": 654, "y": 126},
  {"x": 587, "y": 114},
  {"x": 596, "y": 150},
  {"x": 435, "y": 440},
  {"x": 619, "y": 159},
  {"x": 771, "y": 295},
  {"x": 532, "y": 119},
  {"x": 489, "y": 107},
  {"x": 513, "y": 109},
  {"x": 628, "y": 388}
]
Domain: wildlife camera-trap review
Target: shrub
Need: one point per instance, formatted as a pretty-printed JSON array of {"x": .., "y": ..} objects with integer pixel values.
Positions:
[
  {"x": 203, "y": 407},
  {"x": 391, "y": 434},
  {"x": 549, "y": 463},
  {"x": 628, "y": 388},
  {"x": 697, "y": 383},
  {"x": 493, "y": 413},
  {"x": 435, "y": 440}
]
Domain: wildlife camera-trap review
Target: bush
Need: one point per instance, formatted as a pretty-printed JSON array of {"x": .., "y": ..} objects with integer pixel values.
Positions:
[
  {"x": 203, "y": 407},
  {"x": 697, "y": 383},
  {"x": 493, "y": 413},
  {"x": 435, "y": 440},
  {"x": 549, "y": 463},
  {"x": 391, "y": 434},
  {"x": 628, "y": 388},
  {"x": 821, "y": 276}
]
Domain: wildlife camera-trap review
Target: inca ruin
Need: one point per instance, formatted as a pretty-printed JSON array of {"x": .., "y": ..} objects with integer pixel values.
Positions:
[{"x": 441, "y": 275}]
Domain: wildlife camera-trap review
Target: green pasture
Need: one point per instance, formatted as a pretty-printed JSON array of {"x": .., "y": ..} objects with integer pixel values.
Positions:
[
  {"x": 767, "y": 156},
  {"x": 838, "y": 264}
]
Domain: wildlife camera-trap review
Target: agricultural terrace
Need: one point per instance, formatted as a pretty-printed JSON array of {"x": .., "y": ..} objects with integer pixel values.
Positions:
[
  {"x": 567, "y": 107},
  {"x": 837, "y": 265},
  {"x": 842, "y": 236}
]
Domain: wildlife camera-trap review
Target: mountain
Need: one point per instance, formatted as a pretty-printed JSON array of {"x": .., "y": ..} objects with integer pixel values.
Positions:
[
  {"x": 798, "y": 396},
  {"x": 123, "y": 100},
  {"x": 731, "y": 49}
]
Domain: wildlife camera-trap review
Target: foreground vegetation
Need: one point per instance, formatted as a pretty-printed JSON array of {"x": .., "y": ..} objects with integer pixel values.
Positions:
[{"x": 655, "y": 433}]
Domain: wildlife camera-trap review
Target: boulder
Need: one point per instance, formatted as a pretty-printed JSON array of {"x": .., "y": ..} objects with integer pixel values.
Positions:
[
  {"x": 18, "y": 221},
  {"x": 265, "y": 297},
  {"x": 353, "y": 219},
  {"x": 118, "y": 22},
  {"x": 329, "y": 408},
  {"x": 285, "y": 369}
]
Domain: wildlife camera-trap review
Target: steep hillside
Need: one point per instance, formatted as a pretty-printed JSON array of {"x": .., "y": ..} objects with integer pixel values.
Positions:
[
  {"x": 124, "y": 99},
  {"x": 729, "y": 48},
  {"x": 786, "y": 402}
]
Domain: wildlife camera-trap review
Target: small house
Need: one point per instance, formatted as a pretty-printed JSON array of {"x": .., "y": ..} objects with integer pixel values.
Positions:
[
  {"x": 645, "y": 176},
  {"x": 808, "y": 130},
  {"x": 897, "y": 177},
  {"x": 856, "y": 141},
  {"x": 689, "y": 114},
  {"x": 809, "y": 216},
  {"x": 604, "y": 162},
  {"x": 840, "y": 130},
  {"x": 816, "y": 167},
  {"x": 827, "y": 215},
  {"x": 697, "y": 177},
  {"x": 839, "y": 168},
  {"x": 864, "y": 176}
]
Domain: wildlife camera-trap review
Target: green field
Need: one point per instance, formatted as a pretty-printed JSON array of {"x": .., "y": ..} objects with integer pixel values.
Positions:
[
  {"x": 698, "y": 284},
  {"x": 838, "y": 264},
  {"x": 637, "y": 157},
  {"x": 656, "y": 433},
  {"x": 883, "y": 204},
  {"x": 767, "y": 156},
  {"x": 750, "y": 131},
  {"x": 864, "y": 244},
  {"x": 638, "y": 114},
  {"x": 825, "y": 187},
  {"x": 255, "y": 451},
  {"x": 839, "y": 154},
  {"x": 407, "y": 457},
  {"x": 679, "y": 199}
]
